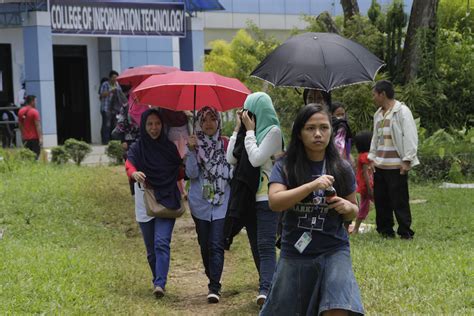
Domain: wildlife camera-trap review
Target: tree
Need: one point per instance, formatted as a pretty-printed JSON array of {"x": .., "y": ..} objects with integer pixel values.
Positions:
[
  {"x": 350, "y": 8},
  {"x": 325, "y": 19},
  {"x": 421, "y": 35},
  {"x": 395, "y": 22},
  {"x": 374, "y": 11}
]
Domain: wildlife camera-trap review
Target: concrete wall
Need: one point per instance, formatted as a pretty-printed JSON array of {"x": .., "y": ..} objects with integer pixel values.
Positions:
[
  {"x": 39, "y": 72},
  {"x": 138, "y": 51},
  {"x": 297, "y": 7},
  {"x": 275, "y": 17}
]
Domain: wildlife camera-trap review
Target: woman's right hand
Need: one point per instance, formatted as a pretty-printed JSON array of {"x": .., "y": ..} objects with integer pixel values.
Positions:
[
  {"x": 192, "y": 142},
  {"x": 238, "y": 120},
  {"x": 322, "y": 183},
  {"x": 139, "y": 177}
]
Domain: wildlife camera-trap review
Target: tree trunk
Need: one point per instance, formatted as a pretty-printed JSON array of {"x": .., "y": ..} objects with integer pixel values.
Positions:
[
  {"x": 325, "y": 19},
  {"x": 350, "y": 8},
  {"x": 422, "y": 17}
]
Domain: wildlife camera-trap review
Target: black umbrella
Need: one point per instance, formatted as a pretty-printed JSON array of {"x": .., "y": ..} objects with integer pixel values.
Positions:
[{"x": 323, "y": 61}]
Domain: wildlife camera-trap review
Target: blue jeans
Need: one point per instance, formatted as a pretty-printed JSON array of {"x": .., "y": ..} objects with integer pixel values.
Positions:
[
  {"x": 261, "y": 231},
  {"x": 157, "y": 237},
  {"x": 211, "y": 241},
  {"x": 313, "y": 286},
  {"x": 108, "y": 124}
]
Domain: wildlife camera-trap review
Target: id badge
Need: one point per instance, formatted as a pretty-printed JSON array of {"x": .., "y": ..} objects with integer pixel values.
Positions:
[
  {"x": 303, "y": 242},
  {"x": 206, "y": 191}
]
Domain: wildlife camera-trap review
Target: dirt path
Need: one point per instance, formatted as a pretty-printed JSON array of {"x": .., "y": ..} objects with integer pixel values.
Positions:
[{"x": 190, "y": 282}]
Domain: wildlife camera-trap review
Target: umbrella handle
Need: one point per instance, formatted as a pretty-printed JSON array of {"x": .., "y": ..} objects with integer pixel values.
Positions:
[{"x": 194, "y": 110}]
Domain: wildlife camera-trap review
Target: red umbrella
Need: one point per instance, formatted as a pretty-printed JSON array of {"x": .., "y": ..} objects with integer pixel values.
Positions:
[
  {"x": 192, "y": 90},
  {"x": 135, "y": 75}
]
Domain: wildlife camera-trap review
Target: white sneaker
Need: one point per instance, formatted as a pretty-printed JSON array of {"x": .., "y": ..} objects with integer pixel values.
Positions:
[
  {"x": 158, "y": 292},
  {"x": 261, "y": 299},
  {"x": 213, "y": 298}
]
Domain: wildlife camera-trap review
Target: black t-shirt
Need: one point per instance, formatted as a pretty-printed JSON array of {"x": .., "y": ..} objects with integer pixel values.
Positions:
[{"x": 325, "y": 225}]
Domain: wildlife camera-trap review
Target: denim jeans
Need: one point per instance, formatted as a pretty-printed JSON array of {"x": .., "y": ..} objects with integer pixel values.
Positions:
[
  {"x": 261, "y": 232},
  {"x": 312, "y": 286},
  {"x": 211, "y": 240},
  {"x": 108, "y": 124},
  {"x": 157, "y": 237}
]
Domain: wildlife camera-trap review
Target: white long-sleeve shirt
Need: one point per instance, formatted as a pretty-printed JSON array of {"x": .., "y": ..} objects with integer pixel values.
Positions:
[{"x": 259, "y": 155}]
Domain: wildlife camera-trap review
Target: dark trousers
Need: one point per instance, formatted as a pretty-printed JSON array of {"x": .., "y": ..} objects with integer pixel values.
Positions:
[
  {"x": 108, "y": 124},
  {"x": 157, "y": 236},
  {"x": 7, "y": 135},
  {"x": 211, "y": 242},
  {"x": 391, "y": 195},
  {"x": 261, "y": 232},
  {"x": 33, "y": 145}
]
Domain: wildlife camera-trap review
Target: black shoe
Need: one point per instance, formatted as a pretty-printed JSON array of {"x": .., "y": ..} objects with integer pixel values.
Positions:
[
  {"x": 213, "y": 297},
  {"x": 406, "y": 237},
  {"x": 387, "y": 235}
]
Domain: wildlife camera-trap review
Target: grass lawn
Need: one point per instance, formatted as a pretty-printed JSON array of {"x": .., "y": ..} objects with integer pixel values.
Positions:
[{"x": 71, "y": 246}]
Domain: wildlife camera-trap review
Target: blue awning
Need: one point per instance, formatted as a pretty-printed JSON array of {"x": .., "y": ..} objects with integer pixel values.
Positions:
[{"x": 203, "y": 5}]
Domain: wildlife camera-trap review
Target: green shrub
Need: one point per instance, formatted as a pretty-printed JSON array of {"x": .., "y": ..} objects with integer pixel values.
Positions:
[
  {"x": 59, "y": 155},
  {"x": 115, "y": 151},
  {"x": 77, "y": 149},
  {"x": 445, "y": 156},
  {"x": 12, "y": 159},
  {"x": 25, "y": 155}
]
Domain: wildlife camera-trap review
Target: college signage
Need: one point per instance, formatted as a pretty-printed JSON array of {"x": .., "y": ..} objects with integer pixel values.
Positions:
[{"x": 117, "y": 18}]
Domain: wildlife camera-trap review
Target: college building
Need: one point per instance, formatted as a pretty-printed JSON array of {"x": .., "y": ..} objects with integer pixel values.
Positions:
[{"x": 60, "y": 49}]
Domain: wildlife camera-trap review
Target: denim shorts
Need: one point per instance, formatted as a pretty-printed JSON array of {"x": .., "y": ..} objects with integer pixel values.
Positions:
[{"x": 312, "y": 286}]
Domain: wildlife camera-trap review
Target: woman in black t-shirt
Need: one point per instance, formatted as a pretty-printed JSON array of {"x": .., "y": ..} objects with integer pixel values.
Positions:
[{"x": 314, "y": 274}]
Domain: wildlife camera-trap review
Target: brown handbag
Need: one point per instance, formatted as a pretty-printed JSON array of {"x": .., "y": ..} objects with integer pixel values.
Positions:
[{"x": 155, "y": 209}]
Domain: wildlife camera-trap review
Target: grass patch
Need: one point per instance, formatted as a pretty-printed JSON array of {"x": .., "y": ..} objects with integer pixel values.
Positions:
[{"x": 71, "y": 246}]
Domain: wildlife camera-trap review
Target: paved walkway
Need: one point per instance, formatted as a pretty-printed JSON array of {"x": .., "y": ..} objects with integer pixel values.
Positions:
[{"x": 96, "y": 158}]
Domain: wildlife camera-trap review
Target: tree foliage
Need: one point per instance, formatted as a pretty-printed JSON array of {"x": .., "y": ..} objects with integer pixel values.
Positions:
[
  {"x": 240, "y": 57},
  {"x": 441, "y": 94}
]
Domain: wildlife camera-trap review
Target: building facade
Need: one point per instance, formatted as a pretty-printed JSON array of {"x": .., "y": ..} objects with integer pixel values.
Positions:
[{"x": 60, "y": 49}]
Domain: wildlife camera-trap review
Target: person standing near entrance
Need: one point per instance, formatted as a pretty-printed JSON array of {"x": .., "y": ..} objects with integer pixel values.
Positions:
[
  {"x": 107, "y": 90},
  {"x": 392, "y": 152},
  {"x": 30, "y": 126},
  {"x": 21, "y": 95}
]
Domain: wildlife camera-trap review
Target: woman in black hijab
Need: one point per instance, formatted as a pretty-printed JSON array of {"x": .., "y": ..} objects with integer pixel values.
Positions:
[{"x": 155, "y": 162}]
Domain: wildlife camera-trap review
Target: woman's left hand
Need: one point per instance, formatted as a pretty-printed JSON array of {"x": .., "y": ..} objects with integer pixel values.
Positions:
[
  {"x": 192, "y": 142},
  {"x": 340, "y": 205},
  {"x": 248, "y": 122}
]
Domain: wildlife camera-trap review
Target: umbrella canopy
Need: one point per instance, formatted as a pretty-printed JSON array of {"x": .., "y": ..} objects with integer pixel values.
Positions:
[
  {"x": 323, "y": 61},
  {"x": 135, "y": 75},
  {"x": 192, "y": 90}
]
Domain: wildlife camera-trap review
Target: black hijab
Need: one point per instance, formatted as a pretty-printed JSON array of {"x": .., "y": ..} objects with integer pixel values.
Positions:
[{"x": 159, "y": 160}]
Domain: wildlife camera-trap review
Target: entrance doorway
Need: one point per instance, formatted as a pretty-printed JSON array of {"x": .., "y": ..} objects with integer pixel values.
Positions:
[
  {"x": 71, "y": 83},
  {"x": 6, "y": 78}
]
